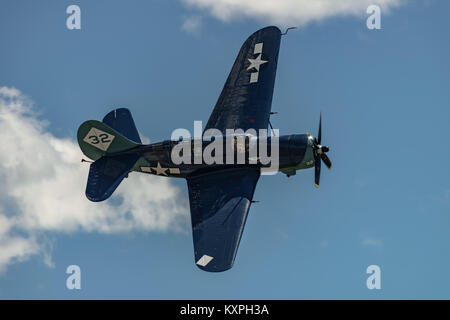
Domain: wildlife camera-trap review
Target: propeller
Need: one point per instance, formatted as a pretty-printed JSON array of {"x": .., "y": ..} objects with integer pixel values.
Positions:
[{"x": 320, "y": 154}]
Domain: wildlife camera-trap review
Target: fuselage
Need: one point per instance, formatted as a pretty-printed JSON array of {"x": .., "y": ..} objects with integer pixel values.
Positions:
[{"x": 294, "y": 152}]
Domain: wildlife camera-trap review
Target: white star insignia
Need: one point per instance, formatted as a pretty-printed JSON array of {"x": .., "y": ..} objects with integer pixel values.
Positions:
[
  {"x": 159, "y": 170},
  {"x": 255, "y": 63}
]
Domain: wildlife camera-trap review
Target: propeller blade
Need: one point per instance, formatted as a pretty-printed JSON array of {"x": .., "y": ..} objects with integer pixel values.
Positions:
[
  {"x": 326, "y": 160},
  {"x": 319, "y": 136},
  {"x": 317, "y": 170}
]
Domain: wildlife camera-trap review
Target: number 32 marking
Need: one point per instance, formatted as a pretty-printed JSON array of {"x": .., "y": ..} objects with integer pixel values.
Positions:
[{"x": 103, "y": 138}]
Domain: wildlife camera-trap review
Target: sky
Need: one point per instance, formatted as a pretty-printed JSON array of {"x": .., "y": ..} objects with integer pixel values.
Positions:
[{"x": 384, "y": 99}]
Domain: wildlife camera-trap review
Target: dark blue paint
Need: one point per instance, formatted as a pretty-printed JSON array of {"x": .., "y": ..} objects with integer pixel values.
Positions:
[
  {"x": 244, "y": 105},
  {"x": 106, "y": 173},
  {"x": 220, "y": 195},
  {"x": 219, "y": 203},
  {"x": 122, "y": 121}
]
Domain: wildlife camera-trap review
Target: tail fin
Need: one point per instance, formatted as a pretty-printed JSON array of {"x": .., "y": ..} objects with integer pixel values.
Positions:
[
  {"x": 99, "y": 141},
  {"x": 122, "y": 121}
]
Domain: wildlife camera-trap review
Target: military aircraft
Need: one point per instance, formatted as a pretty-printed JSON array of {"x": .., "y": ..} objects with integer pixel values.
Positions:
[{"x": 220, "y": 194}]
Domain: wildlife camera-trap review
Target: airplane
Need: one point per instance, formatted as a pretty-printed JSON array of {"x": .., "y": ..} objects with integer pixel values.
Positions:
[{"x": 220, "y": 194}]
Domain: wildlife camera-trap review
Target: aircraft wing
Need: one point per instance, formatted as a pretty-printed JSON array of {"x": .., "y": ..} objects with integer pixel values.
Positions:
[
  {"x": 246, "y": 98},
  {"x": 219, "y": 203}
]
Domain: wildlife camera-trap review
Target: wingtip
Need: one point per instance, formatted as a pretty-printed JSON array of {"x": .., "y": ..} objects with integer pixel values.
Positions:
[{"x": 214, "y": 269}]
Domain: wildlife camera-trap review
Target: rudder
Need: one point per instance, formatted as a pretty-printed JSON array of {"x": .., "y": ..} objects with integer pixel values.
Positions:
[{"x": 122, "y": 121}]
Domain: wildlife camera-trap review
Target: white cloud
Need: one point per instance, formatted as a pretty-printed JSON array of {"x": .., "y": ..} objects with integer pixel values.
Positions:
[
  {"x": 43, "y": 183},
  {"x": 286, "y": 13},
  {"x": 192, "y": 24}
]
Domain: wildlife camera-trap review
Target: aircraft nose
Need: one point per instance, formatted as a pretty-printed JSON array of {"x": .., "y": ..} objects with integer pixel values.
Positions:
[{"x": 298, "y": 147}]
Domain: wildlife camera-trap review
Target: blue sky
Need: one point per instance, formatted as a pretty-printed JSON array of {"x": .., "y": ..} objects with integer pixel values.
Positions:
[{"x": 385, "y": 103}]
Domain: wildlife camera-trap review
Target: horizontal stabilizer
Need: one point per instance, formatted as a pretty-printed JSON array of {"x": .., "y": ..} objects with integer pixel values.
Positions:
[
  {"x": 97, "y": 139},
  {"x": 106, "y": 174}
]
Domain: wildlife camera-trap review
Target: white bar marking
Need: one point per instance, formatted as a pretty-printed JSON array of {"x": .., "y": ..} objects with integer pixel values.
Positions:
[
  {"x": 204, "y": 260},
  {"x": 254, "y": 77},
  {"x": 258, "y": 48}
]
